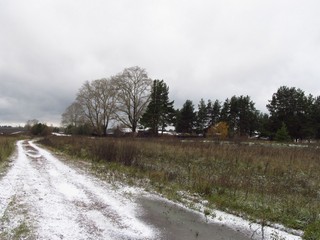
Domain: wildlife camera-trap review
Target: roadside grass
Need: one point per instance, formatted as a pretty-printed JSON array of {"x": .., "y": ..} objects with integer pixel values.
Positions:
[
  {"x": 15, "y": 222},
  {"x": 7, "y": 146},
  {"x": 267, "y": 183}
]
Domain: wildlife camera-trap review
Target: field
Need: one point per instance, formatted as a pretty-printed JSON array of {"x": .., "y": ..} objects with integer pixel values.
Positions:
[
  {"x": 7, "y": 146},
  {"x": 264, "y": 182}
]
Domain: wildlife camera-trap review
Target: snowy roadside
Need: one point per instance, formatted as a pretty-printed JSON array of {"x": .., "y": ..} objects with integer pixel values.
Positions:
[
  {"x": 251, "y": 229},
  {"x": 43, "y": 198},
  {"x": 60, "y": 203}
]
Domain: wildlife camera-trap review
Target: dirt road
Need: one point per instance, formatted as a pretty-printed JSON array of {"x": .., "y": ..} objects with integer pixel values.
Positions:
[{"x": 43, "y": 198}]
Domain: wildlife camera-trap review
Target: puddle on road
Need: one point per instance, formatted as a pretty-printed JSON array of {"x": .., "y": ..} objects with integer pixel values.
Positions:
[{"x": 177, "y": 223}]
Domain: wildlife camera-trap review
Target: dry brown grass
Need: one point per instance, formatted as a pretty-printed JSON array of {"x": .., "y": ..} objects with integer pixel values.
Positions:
[
  {"x": 7, "y": 146},
  {"x": 277, "y": 183}
]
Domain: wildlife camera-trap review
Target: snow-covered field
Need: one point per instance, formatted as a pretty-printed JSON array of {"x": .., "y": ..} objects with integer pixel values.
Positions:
[{"x": 43, "y": 198}]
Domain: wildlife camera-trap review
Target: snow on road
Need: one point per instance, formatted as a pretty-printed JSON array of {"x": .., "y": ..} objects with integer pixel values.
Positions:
[{"x": 47, "y": 199}]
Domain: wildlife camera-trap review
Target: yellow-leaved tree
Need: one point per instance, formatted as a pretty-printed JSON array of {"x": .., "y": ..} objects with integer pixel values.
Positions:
[{"x": 219, "y": 131}]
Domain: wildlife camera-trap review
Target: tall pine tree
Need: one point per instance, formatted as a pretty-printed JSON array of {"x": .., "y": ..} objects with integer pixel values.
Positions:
[
  {"x": 289, "y": 106},
  {"x": 186, "y": 118},
  {"x": 202, "y": 116},
  {"x": 241, "y": 116},
  {"x": 215, "y": 112},
  {"x": 160, "y": 110}
]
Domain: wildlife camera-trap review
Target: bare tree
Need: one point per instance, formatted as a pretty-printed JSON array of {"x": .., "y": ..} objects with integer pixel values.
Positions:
[
  {"x": 97, "y": 99},
  {"x": 133, "y": 93},
  {"x": 73, "y": 115},
  {"x": 106, "y": 94}
]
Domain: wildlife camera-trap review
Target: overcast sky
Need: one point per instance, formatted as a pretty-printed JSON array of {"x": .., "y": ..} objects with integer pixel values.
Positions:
[{"x": 210, "y": 49}]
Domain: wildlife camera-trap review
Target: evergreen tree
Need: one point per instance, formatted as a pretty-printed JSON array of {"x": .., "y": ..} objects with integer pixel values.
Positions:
[
  {"x": 282, "y": 134},
  {"x": 315, "y": 117},
  {"x": 225, "y": 110},
  {"x": 202, "y": 117},
  {"x": 263, "y": 127},
  {"x": 186, "y": 118},
  {"x": 240, "y": 115},
  {"x": 289, "y": 105},
  {"x": 40, "y": 129},
  {"x": 213, "y": 111},
  {"x": 309, "y": 119},
  {"x": 248, "y": 116},
  {"x": 160, "y": 110}
]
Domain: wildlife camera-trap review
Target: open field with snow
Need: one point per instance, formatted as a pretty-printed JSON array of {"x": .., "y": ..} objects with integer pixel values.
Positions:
[
  {"x": 273, "y": 185},
  {"x": 44, "y": 198}
]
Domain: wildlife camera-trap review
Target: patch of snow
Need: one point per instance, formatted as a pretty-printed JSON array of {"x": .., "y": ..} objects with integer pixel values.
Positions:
[
  {"x": 255, "y": 229},
  {"x": 251, "y": 229},
  {"x": 71, "y": 192},
  {"x": 61, "y": 134}
]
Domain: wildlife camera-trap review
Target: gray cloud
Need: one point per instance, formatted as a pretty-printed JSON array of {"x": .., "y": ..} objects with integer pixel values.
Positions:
[{"x": 202, "y": 49}]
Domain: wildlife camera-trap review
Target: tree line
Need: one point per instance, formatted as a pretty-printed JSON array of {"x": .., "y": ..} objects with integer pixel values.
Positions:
[{"x": 131, "y": 99}]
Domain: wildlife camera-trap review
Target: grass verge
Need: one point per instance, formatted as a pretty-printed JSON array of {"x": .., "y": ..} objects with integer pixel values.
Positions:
[{"x": 7, "y": 147}]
